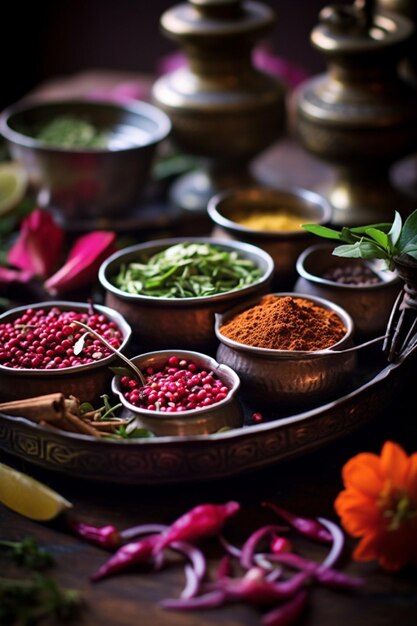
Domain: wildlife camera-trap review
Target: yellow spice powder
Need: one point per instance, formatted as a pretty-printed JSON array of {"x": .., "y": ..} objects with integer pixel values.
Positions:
[{"x": 269, "y": 220}]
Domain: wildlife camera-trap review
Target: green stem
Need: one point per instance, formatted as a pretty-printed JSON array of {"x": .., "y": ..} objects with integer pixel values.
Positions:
[{"x": 132, "y": 366}]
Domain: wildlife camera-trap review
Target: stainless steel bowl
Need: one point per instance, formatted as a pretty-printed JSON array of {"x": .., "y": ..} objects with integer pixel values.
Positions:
[
  {"x": 288, "y": 378},
  {"x": 87, "y": 183},
  {"x": 283, "y": 246},
  {"x": 87, "y": 382},
  {"x": 159, "y": 323},
  {"x": 227, "y": 413},
  {"x": 369, "y": 305}
]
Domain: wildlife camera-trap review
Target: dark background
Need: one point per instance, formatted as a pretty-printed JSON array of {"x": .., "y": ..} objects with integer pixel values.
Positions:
[{"x": 50, "y": 38}]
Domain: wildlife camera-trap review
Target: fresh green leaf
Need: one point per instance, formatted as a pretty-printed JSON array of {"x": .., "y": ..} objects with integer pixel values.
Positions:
[
  {"x": 361, "y": 230},
  {"x": 413, "y": 253},
  {"x": 322, "y": 231},
  {"x": 86, "y": 407},
  {"x": 395, "y": 230},
  {"x": 361, "y": 250},
  {"x": 378, "y": 236},
  {"x": 349, "y": 250},
  {"x": 409, "y": 231}
]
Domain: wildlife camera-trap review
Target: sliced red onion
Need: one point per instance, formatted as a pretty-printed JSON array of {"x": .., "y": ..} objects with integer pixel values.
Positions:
[
  {"x": 230, "y": 548},
  {"x": 209, "y": 600},
  {"x": 338, "y": 542},
  {"x": 191, "y": 583},
  {"x": 142, "y": 529},
  {"x": 261, "y": 559},
  {"x": 325, "y": 575},
  {"x": 195, "y": 572},
  {"x": 249, "y": 547},
  {"x": 223, "y": 569},
  {"x": 288, "y": 613}
]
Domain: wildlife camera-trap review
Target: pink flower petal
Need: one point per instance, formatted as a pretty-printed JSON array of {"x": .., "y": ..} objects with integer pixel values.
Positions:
[
  {"x": 291, "y": 74},
  {"x": 39, "y": 245},
  {"x": 83, "y": 262},
  {"x": 10, "y": 276}
]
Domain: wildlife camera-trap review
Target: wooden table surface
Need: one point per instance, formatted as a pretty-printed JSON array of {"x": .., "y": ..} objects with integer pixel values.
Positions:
[{"x": 307, "y": 485}]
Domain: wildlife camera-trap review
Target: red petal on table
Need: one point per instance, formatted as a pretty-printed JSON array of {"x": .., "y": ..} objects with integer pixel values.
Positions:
[
  {"x": 84, "y": 260},
  {"x": 38, "y": 247},
  {"x": 8, "y": 276}
]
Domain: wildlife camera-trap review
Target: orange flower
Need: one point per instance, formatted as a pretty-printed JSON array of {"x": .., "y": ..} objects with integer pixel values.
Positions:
[{"x": 379, "y": 504}]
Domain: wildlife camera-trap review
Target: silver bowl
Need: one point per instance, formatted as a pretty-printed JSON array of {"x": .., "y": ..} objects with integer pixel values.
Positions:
[
  {"x": 158, "y": 322},
  {"x": 288, "y": 378},
  {"x": 82, "y": 183},
  {"x": 87, "y": 382},
  {"x": 283, "y": 246},
  {"x": 369, "y": 305},
  {"x": 225, "y": 414}
]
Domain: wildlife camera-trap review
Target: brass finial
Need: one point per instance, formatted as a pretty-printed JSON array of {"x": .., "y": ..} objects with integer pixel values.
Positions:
[{"x": 223, "y": 110}]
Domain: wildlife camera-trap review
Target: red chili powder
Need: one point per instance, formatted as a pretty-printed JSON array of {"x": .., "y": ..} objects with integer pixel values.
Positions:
[{"x": 285, "y": 323}]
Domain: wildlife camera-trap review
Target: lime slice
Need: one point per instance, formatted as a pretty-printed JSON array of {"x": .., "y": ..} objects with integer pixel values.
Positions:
[
  {"x": 13, "y": 185},
  {"x": 28, "y": 496}
]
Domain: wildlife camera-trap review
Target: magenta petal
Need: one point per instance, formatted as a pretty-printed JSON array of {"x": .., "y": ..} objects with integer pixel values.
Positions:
[
  {"x": 83, "y": 262},
  {"x": 10, "y": 276},
  {"x": 38, "y": 247},
  {"x": 291, "y": 74}
]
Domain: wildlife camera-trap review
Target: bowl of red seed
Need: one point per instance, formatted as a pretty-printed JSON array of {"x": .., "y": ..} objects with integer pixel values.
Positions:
[
  {"x": 287, "y": 348},
  {"x": 363, "y": 288},
  {"x": 184, "y": 393},
  {"x": 44, "y": 349}
]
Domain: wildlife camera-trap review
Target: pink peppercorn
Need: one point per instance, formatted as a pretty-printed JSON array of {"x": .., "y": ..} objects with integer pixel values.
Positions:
[
  {"x": 44, "y": 339},
  {"x": 179, "y": 385}
]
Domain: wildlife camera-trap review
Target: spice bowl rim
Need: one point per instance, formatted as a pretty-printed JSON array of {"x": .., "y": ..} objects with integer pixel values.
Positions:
[
  {"x": 116, "y": 258},
  {"x": 137, "y": 107},
  {"x": 159, "y": 355},
  {"x": 392, "y": 277},
  {"x": 112, "y": 314},
  {"x": 294, "y": 192},
  {"x": 344, "y": 316}
]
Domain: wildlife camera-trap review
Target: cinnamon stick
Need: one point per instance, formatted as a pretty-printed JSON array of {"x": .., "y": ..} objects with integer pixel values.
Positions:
[
  {"x": 106, "y": 425},
  {"x": 81, "y": 426},
  {"x": 47, "y": 408}
]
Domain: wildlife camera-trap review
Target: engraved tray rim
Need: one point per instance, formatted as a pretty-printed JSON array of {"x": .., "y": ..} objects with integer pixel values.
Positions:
[{"x": 192, "y": 458}]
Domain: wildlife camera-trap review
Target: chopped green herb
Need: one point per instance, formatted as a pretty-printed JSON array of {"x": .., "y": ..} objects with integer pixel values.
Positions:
[
  {"x": 33, "y": 600},
  {"x": 27, "y": 553},
  {"x": 188, "y": 270},
  {"x": 70, "y": 131}
]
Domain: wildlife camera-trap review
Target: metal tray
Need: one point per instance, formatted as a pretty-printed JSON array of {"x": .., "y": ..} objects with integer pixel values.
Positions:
[{"x": 164, "y": 460}]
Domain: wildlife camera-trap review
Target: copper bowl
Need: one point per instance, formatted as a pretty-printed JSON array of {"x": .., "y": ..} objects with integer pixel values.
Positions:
[
  {"x": 289, "y": 378},
  {"x": 159, "y": 322},
  {"x": 224, "y": 414},
  {"x": 87, "y": 382},
  {"x": 283, "y": 246},
  {"x": 369, "y": 305},
  {"x": 87, "y": 183}
]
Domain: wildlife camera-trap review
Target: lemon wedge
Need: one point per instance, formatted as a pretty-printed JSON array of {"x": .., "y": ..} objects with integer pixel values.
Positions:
[
  {"x": 13, "y": 185},
  {"x": 29, "y": 497}
]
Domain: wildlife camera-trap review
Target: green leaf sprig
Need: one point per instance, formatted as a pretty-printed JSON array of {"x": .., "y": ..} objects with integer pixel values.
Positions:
[
  {"x": 36, "y": 598},
  {"x": 27, "y": 553},
  {"x": 187, "y": 270},
  {"x": 376, "y": 241}
]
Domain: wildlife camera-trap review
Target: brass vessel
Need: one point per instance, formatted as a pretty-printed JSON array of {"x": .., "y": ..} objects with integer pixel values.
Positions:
[
  {"x": 409, "y": 9},
  {"x": 361, "y": 115},
  {"x": 223, "y": 110}
]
